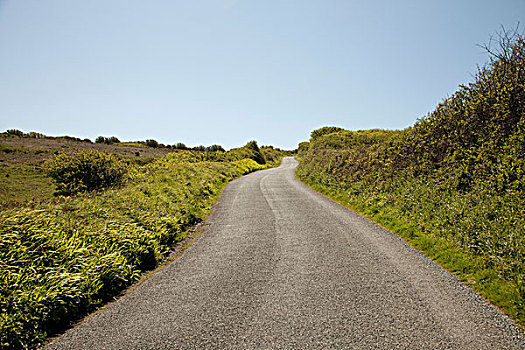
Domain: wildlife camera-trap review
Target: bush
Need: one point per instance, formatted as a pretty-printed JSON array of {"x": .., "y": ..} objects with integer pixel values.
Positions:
[
  {"x": 250, "y": 150},
  {"x": 325, "y": 131},
  {"x": 215, "y": 148},
  {"x": 180, "y": 145},
  {"x": 15, "y": 132},
  {"x": 107, "y": 140},
  {"x": 152, "y": 143},
  {"x": 87, "y": 170}
]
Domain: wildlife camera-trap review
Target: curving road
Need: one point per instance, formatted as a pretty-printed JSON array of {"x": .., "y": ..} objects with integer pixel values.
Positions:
[{"x": 282, "y": 267}]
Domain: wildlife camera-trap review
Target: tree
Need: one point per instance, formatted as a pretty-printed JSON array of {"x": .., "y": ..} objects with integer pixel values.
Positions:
[
  {"x": 100, "y": 139},
  {"x": 180, "y": 145},
  {"x": 15, "y": 132}
]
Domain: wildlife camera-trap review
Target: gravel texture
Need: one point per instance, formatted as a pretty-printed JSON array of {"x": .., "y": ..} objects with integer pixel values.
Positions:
[{"x": 282, "y": 267}]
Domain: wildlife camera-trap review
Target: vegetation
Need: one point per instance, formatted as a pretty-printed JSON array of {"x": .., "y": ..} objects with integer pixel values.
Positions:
[
  {"x": 152, "y": 143},
  {"x": 453, "y": 184},
  {"x": 24, "y": 178},
  {"x": 63, "y": 257},
  {"x": 107, "y": 140},
  {"x": 86, "y": 170}
]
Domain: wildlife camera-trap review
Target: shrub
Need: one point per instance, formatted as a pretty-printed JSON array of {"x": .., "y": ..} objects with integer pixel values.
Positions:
[
  {"x": 324, "y": 131},
  {"x": 152, "y": 143},
  {"x": 180, "y": 145},
  {"x": 36, "y": 135},
  {"x": 215, "y": 148},
  {"x": 107, "y": 140},
  {"x": 250, "y": 150},
  {"x": 87, "y": 170},
  {"x": 15, "y": 132}
]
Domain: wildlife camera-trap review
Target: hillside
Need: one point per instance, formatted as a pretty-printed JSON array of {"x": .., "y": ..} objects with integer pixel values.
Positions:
[
  {"x": 70, "y": 243},
  {"x": 452, "y": 184}
]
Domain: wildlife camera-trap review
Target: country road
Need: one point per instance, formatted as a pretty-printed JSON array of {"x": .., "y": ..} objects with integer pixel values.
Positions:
[{"x": 282, "y": 267}]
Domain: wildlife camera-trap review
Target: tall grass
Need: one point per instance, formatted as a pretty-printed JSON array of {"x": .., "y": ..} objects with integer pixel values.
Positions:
[{"x": 60, "y": 260}]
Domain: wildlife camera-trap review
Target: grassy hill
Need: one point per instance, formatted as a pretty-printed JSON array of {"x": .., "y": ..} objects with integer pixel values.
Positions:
[
  {"x": 453, "y": 184},
  {"x": 23, "y": 177},
  {"x": 63, "y": 256}
]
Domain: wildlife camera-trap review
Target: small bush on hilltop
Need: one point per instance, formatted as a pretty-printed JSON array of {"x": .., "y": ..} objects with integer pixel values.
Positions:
[
  {"x": 87, "y": 170},
  {"x": 215, "y": 148},
  {"x": 152, "y": 143},
  {"x": 15, "y": 132},
  {"x": 107, "y": 140},
  {"x": 325, "y": 131}
]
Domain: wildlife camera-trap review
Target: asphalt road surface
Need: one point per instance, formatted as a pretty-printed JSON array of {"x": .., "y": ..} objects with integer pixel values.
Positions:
[{"x": 282, "y": 267}]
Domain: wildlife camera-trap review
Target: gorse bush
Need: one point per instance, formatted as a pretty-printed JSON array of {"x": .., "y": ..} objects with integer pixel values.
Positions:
[
  {"x": 453, "y": 182},
  {"x": 250, "y": 151},
  {"x": 86, "y": 170},
  {"x": 324, "y": 131}
]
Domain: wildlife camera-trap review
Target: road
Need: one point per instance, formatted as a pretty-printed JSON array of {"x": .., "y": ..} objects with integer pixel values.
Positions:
[{"x": 282, "y": 267}]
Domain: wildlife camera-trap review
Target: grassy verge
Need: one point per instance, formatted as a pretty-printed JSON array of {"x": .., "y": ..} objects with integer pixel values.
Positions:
[
  {"x": 453, "y": 184},
  {"x": 63, "y": 258},
  {"x": 476, "y": 270}
]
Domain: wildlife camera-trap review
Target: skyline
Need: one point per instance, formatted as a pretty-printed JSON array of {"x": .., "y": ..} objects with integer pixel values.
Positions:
[{"x": 227, "y": 72}]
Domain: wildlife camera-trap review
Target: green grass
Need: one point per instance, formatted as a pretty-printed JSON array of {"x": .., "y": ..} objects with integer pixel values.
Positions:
[
  {"x": 453, "y": 184},
  {"x": 422, "y": 228},
  {"x": 24, "y": 184},
  {"x": 62, "y": 257},
  {"x": 23, "y": 178}
]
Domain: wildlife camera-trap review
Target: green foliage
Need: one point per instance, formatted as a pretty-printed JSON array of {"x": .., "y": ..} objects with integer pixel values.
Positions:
[
  {"x": 86, "y": 170},
  {"x": 107, "y": 140},
  {"x": 180, "y": 146},
  {"x": 152, "y": 143},
  {"x": 37, "y": 135},
  {"x": 456, "y": 178},
  {"x": 215, "y": 148},
  {"x": 61, "y": 260},
  {"x": 272, "y": 155},
  {"x": 250, "y": 150},
  {"x": 324, "y": 131},
  {"x": 15, "y": 132},
  {"x": 302, "y": 149}
]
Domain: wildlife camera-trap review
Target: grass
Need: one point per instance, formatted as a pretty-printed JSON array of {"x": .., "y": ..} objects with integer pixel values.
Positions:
[
  {"x": 63, "y": 257},
  {"x": 23, "y": 178},
  {"x": 453, "y": 184},
  {"x": 472, "y": 269}
]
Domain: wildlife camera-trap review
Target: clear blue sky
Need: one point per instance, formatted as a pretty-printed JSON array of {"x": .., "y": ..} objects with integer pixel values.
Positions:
[{"x": 229, "y": 71}]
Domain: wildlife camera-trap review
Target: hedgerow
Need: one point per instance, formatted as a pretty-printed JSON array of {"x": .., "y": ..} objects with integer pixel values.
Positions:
[{"x": 453, "y": 184}]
